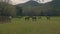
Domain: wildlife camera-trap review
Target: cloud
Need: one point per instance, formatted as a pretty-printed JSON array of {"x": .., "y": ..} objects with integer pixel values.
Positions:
[
  {"x": 18, "y": 1},
  {"x": 23, "y": 1},
  {"x": 45, "y": 1}
]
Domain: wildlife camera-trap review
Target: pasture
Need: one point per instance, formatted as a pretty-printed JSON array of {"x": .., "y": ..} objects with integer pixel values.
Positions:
[{"x": 40, "y": 26}]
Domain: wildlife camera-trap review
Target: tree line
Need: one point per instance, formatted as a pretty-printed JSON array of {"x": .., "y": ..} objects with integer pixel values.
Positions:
[
  {"x": 49, "y": 9},
  {"x": 7, "y": 9},
  {"x": 38, "y": 11}
]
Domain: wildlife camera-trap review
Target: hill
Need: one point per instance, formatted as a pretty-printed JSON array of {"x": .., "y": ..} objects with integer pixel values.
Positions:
[
  {"x": 29, "y": 3},
  {"x": 35, "y": 8}
]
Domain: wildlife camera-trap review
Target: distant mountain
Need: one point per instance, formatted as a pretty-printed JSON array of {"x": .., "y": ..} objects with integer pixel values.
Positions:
[
  {"x": 34, "y": 3},
  {"x": 57, "y": 3},
  {"x": 29, "y": 3},
  {"x": 33, "y": 7}
]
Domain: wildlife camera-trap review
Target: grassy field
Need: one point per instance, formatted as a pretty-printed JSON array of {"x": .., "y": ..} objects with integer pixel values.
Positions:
[{"x": 40, "y": 26}]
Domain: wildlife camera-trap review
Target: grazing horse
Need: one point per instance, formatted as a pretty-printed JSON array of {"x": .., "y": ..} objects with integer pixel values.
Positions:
[
  {"x": 27, "y": 18},
  {"x": 48, "y": 17},
  {"x": 33, "y": 18}
]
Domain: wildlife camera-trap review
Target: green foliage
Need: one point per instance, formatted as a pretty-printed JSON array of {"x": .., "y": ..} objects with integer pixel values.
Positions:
[
  {"x": 7, "y": 9},
  {"x": 19, "y": 11}
]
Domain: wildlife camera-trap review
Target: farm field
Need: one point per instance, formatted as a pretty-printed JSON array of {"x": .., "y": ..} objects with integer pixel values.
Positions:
[{"x": 40, "y": 26}]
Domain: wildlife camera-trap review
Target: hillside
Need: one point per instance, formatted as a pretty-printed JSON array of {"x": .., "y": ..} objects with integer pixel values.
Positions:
[
  {"x": 35, "y": 8},
  {"x": 29, "y": 3}
]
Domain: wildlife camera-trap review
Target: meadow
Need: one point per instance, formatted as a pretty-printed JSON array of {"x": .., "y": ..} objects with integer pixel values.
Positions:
[{"x": 40, "y": 26}]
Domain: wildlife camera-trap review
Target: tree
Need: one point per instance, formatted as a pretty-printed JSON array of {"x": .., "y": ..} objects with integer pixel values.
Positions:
[
  {"x": 7, "y": 9},
  {"x": 18, "y": 11}
]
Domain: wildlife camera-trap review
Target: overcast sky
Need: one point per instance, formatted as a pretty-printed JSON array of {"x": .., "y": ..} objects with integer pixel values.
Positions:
[{"x": 23, "y": 1}]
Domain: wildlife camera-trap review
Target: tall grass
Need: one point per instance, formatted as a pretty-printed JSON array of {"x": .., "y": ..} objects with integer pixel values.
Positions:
[{"x": 40, "y": 26}]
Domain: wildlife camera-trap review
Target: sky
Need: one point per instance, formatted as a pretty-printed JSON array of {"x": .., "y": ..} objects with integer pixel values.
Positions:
[{"x": 14, "y": 2}]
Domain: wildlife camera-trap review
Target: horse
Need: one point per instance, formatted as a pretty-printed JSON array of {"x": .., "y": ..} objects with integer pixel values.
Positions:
[
  {"x": 48, "y": 17},
  {"x": 33, "y": 18},
  {"x": 27, "y": 18}
]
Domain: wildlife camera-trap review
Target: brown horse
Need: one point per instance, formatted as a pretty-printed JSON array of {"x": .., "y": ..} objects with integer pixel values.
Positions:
[
  {"x": 27, "y": 18},
  {"x": 48, "y": 17},
  {"x": 33, "y": 18}
]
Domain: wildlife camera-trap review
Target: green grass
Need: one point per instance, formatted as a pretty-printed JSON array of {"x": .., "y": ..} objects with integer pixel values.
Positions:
[{"x": 40, "y": 26}]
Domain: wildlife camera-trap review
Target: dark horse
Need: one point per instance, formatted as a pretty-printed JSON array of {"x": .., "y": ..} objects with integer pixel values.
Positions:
[
  {"x": 27, "y": 18},
  {"x": 48, "y": 17},
  {"x": 33, "y": 18}
]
